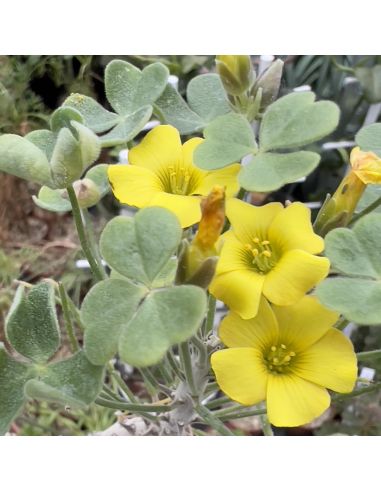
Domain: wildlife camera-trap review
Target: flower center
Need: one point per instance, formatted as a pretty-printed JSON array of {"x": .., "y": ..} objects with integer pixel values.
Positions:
[
  {"x": 261, "y": 255},
  {"x": 179, "y": 180},
  {"x": 278, "y": 359}
]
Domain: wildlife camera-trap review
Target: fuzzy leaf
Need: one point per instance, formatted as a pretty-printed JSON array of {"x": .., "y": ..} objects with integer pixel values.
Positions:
[
  {"x": 270, "y": 171},
  {"x": 94, "y": 115},
  {"x": 175, "y": 111},
  {"x": 355, "y": 253},
  {"x": 369, "y": 138},
  {"x": 13, "y": 376},
  {"x": 31, "y": 325},
  {"x": 127, "y": 127},
  {"x": 166, "y": 316},
  {"x": 44, "y": 140},
  {"x": 206, "y": 97},
  {"x": 22, "y": 158},
  {"x": 74, "y": 381},
  {"x": 105, "y": 311},
  {"x": 296, "y": 120},
  {"x": 63, "y": 118},
  {"x": 227, "y": 139},
  {"x": 140, "y": 247},
  {"x": 129, "y": 89}
]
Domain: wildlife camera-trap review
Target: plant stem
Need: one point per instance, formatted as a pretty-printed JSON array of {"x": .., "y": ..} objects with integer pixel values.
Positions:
[
  {"x": 132, "y": 407},
  {"x": 209, "y": 322},
  {"x": 186, "y": 361},
  {"x": 372, "y": 354},
  {"x": 152, "y": 381},
  {"x": 266, "y": 426},
  {"x": 217, "y": 402},
  {"x": 366, "y": 211},
  {"x": 98, "y": 273},
  {"x": 74, "y": 345},
  {"x": 361, "y": 391},
  {"x": 92, "y": 239},
  {"x": 203, "y": 353},
  {"x": 242, "y": 415},
  {"x": 212, "y": 420},
  {"x": 174, "y": 365}
]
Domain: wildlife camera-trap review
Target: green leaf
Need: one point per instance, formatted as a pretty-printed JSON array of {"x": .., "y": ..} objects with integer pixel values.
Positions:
[
  {"x": 94, "y": 115},
  {"x": 355, "y": 254},
  {"x": 296, "y": 120},
  {"x": 370, "y": 195},
  {"x": 63, "y": 118},
  {"x": 74, "y": 381},
  {"x": 167, "y": 316},
  {"x": 270, "y": 171},
  {"x": 206, "y": 97},
  {"x": 140, "y": 247},
  {"x": 31, "y": 325},
  {"x": 13, "y": 376},
  {"x": 227, "y": 139},
  {"x": 22, "y": 158},
  {"x": 127, "y": 128},
  {"x": 358, "y": 299},
  {"x": 105, "y": 311},
  {"x": 57, "y": 200},
  {"x": 89, "y": 144},
  {"x": 370, "y": 79},
  {"x": 369, "y": 138},
  {"x": 129, "y": 89},
  {"x": 66, "y": 161},
  {"x": 44, "y": 140},
  {"x": 175, "y": 111}
]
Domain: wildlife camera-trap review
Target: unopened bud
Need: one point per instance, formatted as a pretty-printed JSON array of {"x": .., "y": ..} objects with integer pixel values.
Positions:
[
  {"x": 269, "y": 82},
  {"x": 236, "y": 72},
  {"x": 87, "y": 192}
]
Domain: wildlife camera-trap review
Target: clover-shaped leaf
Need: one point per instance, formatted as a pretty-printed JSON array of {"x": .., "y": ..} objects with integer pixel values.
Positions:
[
  {"x": 269, "y": 171},
  {"x": 32, "y": 331},
  {"x": 139, "y": 313},
  {"x": 227, "y": 139},
  {"x": 356, "y": 293},
  {"x": 296, "y": 120},
  {"x": 139, "y": 324},
  {"x": 140, "y": 247},
  {"x": 57, "y": 200},
  {"x": 206, "y": 100},
  {"x": 131, "y": 93}
]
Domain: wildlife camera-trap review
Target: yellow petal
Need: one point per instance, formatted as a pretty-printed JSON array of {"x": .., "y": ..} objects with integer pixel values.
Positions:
[
  {"x": 330, "y": 362},
  {"x": 292, "y": 229},
  {"x": 260, "y": 332},
  {"x": 186, "y": 208},
  {"x": 133, "y": 185},
  {"x": 293, "y": 276},
  {"x": 292, "y": 401},
  {"x": 249, "y": 221},
  {"x": 161, "y": 147},
  {"x": 188, "y": 149},
  {"x": 241, "y": 374},
  {"x": 304, "y": 323},
  {"x": 225, "y": 177},
  {"x": 240, "y": 290},
  {"x": 233, "y": 255}
]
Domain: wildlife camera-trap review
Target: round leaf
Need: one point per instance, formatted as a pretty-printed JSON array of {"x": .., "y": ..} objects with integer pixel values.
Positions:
[
  {"x": 369, "y": 138},
  {"x": 206, "y": 97}
]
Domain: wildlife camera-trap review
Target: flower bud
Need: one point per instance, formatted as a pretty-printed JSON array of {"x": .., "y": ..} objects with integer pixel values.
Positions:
[
  {"x": 269, "y": 82},
  {"x": 236, "y": 72},
  {"x": 87, "y": 192}
]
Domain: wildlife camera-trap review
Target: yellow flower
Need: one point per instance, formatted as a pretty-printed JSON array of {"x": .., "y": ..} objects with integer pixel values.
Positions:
[
  {"x": 366, "y": 166},
  {"x": 287, "y": 356},
  {"x": 161, "y": 173},
  {"x": 270, "y": 250}
]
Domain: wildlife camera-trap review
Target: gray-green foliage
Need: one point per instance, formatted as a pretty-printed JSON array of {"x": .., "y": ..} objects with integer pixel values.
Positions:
[
  {"x": 54, "y": 158},
  {"x": 370, "y": 79},
  {"x": 355, "y": 254},
  {"x": 33, "y": 333},
  {"x": 291, "y": 122},
  {"x": 369, "y": 138},
  {"x": 131, "y": 93},
  {"x": 139, "y": 313},
  {"x": 206, "y": 100}
]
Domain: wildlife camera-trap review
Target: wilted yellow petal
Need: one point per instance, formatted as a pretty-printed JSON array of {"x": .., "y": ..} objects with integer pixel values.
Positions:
[
  {"x": 241, "y": 374},
  {"x": 366, "y": 166}
]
